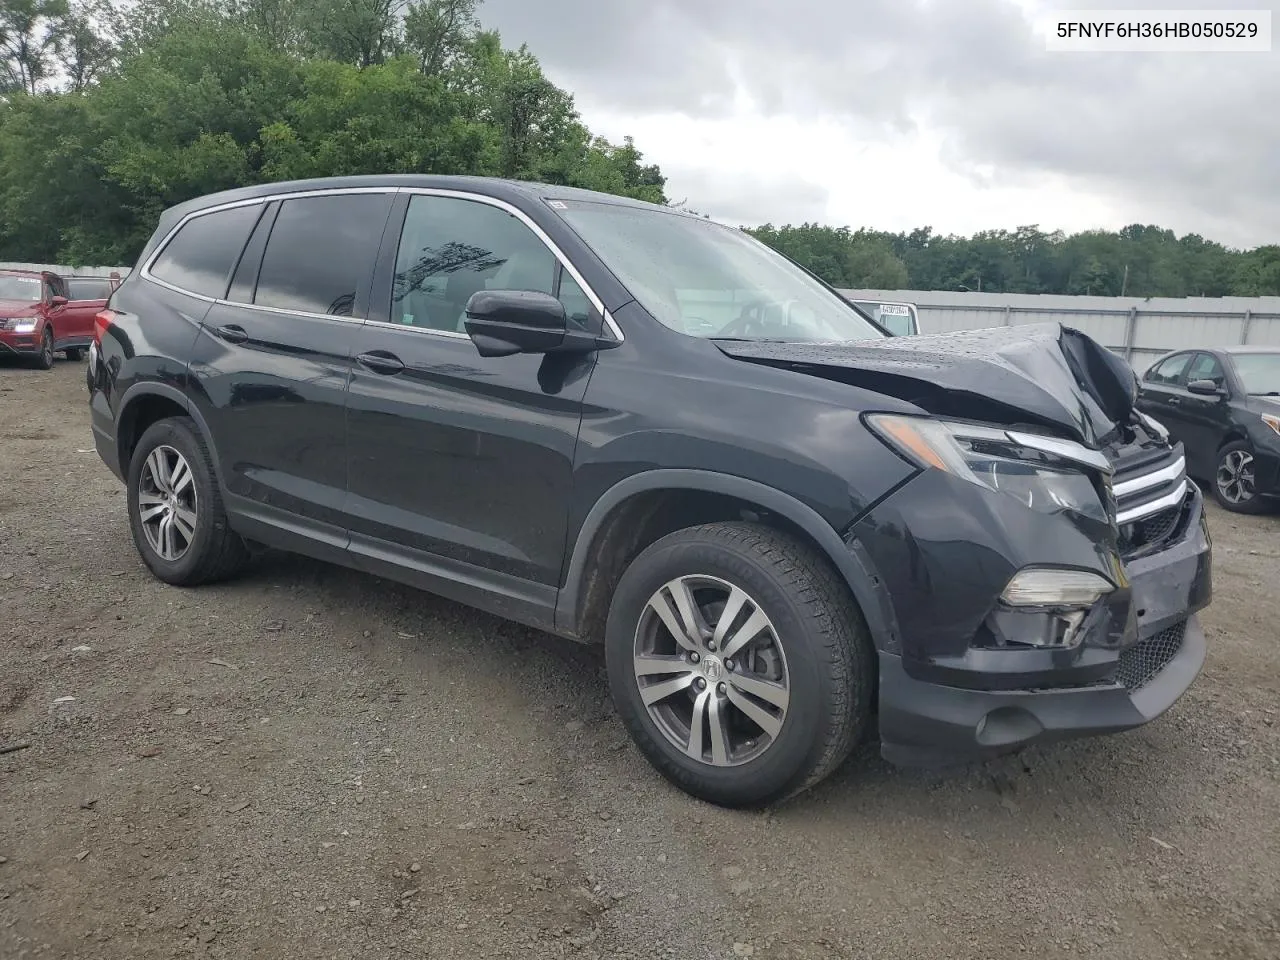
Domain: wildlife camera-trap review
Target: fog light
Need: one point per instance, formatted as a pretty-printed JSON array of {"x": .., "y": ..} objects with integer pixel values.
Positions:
[{"x": 1045, "y": 587}]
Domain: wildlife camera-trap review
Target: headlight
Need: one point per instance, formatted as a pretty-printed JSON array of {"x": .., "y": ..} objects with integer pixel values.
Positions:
[
  {"x": 1271, "y": 421},
  {"x": 22, "y": 326},
  {"x": 1036, "y": 471}
]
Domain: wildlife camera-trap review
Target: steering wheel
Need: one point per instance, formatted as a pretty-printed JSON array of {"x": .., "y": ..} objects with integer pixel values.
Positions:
[{"x": 744, "y": 325}]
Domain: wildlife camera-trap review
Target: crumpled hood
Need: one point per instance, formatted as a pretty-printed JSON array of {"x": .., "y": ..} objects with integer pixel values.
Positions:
[{"x": 1045, "y": 374}]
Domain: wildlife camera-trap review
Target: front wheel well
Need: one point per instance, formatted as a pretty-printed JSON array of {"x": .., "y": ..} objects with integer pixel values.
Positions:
[
  {"x": 645, "y": 518},
  {"x": 1232, "y": 437},
  {"x": 137, "y": 417}
]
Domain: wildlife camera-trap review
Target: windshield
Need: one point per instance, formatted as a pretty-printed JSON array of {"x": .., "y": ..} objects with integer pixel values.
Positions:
[
  {"x": 22, "y": 289},
  {"x": 708, "y": 280},
  {"x": 1259, "y": 372}
]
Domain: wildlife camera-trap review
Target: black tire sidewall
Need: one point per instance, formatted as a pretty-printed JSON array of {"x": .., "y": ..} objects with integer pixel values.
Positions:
[
  {"x": 44, "y": 359},
  {"x": 798, "y": 750},
  {"x": 1256, "y": 504},
  {"x": 178, "y": 434}
]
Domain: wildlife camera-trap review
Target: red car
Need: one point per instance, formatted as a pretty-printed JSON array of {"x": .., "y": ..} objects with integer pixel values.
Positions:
[{"x": 41, "y": 313}]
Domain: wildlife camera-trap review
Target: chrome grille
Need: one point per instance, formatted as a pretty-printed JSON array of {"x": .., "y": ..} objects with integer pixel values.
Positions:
[
  {"x": 1157, "y": 485},
  {"x": 1141, "y": 662}
]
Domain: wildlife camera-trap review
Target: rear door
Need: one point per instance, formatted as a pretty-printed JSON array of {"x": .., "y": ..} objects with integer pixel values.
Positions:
[{"x": 269, "y": 371}]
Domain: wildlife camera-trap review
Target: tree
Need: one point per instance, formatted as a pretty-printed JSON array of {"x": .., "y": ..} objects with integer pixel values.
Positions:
[
  {"x": 872, "y": 265},
  {"x": 29, "y": 42},
  {"x": 205, "y": 95},
  {"x": 437, "y": 32},
  {"x": 86, "y": 47},
  {"x": 360, "y": 32}
]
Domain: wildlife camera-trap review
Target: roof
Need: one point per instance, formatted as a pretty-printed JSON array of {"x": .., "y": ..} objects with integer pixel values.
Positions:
[
  {"x": 510, "y": 190},
  {"x": 34, "y": 274},
  {"x": 1249, "y": 349}
]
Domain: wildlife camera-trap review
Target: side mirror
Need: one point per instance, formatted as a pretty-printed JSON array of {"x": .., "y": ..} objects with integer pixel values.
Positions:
[
  {"x": 1206, "y": 388},
  {"x": 58, "y": 301},
  {"x": 505, "y": 322}
]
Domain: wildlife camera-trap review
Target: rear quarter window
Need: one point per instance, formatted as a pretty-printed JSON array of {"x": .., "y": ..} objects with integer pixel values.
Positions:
[{"x": 199, "y": 258}]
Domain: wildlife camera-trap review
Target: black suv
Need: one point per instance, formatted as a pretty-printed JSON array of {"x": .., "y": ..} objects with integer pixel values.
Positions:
[{"x": 619, "y": 423}]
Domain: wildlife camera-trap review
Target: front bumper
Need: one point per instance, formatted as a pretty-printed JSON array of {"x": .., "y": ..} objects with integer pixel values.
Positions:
[
  {"x": 19, "y": 344},
  {"x": 932, "y": 719}
]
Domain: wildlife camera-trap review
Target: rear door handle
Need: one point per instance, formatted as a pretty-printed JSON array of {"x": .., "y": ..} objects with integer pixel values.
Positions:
[
  {"x": 380, "y": 361},
  {"x": 233, "y": 333}
]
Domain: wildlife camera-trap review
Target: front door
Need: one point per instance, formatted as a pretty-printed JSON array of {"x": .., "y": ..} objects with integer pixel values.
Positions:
[
  {"x": 1205, "y": 420},
  {"x": 1163, "y": 390},
  {"x": 460, "y": 467}
]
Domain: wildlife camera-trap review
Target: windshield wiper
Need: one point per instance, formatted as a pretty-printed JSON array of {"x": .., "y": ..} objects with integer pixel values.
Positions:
[{"x": 749, "y": 339}]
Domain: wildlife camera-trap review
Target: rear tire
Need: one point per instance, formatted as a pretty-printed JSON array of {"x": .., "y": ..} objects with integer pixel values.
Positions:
[
  {"x": 44, "y": 359},
  {"x": 807, "y": 654},
  {"x": 171, "y": 475},
  {"x": 1234, "y": 479}
]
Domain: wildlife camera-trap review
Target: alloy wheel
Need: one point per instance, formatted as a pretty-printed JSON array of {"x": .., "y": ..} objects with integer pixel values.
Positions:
[
  {"x": 46, "y": 349},
  {"x": 711, "y": 670},
  {"x": 1235, "y": 477},
  {"x": 167, "y": 503}
]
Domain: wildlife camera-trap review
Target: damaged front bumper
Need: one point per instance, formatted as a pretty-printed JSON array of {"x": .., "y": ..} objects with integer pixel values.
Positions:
[{"x": 1135, "y": 661}]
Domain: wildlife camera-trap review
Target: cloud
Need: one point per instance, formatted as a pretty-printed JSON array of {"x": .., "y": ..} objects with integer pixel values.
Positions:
[{"x": 1191, "y": 141}]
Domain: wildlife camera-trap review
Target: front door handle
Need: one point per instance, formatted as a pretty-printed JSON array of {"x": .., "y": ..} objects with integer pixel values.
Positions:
[
  {"x": 232, "y": 333},
  {"x": 380, "y": 361}
]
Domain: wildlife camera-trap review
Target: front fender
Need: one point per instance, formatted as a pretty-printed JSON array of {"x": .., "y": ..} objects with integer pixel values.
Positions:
[{"x": 849, "y": 558}]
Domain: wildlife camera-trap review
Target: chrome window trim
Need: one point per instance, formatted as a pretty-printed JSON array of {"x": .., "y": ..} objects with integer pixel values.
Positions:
[
  {"x": 251, "y": 201},
  {"x": 519, "y": 214},
  {"x": 1155, "y": 506},
  {"x": 1154, "y": 479}
]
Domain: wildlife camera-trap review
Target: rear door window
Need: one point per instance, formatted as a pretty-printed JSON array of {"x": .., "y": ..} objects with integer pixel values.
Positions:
[
  {"x": 321, "y": 252},
  {"x": 199, "y": 258}
]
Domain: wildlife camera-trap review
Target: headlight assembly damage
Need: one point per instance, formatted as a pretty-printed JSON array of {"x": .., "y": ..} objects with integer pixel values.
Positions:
[
  {"x": 1043, "y": 473},
  {"x": 1041, "y": 606}
]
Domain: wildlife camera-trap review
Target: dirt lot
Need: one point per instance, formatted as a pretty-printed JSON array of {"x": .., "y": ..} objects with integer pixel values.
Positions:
[{"x": 312, "y": 763}]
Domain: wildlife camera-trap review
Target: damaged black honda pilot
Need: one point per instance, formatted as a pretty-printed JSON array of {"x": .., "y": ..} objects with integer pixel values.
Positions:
[{"x": 623, "y": 424}]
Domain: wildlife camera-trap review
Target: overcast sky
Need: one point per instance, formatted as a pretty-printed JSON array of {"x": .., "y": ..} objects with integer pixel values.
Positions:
[{"x": 894, "y": 114}]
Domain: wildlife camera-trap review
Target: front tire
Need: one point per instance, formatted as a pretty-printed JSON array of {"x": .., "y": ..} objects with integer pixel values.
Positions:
[
  {"x": 739, "y": 662},
  {"x": 176, "y": 512},
  {"x": 44, "y": 359},
  {"x": 1234, "y": 480}
]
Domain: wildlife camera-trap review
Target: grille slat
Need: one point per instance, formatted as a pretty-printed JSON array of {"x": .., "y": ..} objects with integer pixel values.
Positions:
[
  {"x": 1152, "y": 532},
  {"x": 1146, "y": 658}
]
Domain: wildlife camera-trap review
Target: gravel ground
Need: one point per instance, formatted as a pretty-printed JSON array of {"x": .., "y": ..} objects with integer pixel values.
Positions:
[{"x": 312, "y": 763}]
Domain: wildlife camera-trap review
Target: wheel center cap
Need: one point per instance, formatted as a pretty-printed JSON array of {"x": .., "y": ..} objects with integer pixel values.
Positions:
[{"x": 712, "y": 668}]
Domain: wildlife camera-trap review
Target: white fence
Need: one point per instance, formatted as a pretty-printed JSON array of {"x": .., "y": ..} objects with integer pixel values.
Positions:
[
  {"x": 66, "y": 271},
  {"x": 1139, "y": 330}
]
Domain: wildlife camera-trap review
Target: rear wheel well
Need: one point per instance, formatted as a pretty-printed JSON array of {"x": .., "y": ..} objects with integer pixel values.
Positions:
[
  {"x": 137, "y": 417},
  {"x": 643, "y": 519}
]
